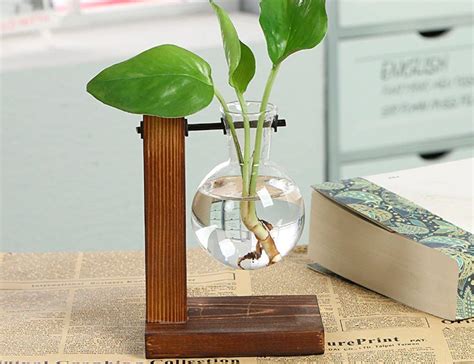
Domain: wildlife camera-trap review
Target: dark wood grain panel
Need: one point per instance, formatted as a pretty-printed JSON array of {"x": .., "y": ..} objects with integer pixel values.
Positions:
[
  {"x": 241, "y": 326},
  {"x": 165, "y": 241}
]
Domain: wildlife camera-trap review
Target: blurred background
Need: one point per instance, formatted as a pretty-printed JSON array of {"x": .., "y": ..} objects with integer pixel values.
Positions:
[{"x": 392, "y": 87}]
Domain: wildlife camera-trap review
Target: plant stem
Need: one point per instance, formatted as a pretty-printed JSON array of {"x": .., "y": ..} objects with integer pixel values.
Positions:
[
  {"x": 245, "y": 203},
  {"x": 259, "y": 134},
  {"x": 230, "y": 122},
  {"x": 246, "y": 161},
  {"x": 259, "y": 228}
]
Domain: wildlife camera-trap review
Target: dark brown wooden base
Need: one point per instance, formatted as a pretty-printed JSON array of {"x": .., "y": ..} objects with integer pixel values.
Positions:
[{"x": 240, "y": 326}]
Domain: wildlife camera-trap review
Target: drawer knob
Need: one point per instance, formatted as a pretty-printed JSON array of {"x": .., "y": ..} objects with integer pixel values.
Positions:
[
  {"x": 434, "y": 155},
  {"x": 434, "y": 33}
]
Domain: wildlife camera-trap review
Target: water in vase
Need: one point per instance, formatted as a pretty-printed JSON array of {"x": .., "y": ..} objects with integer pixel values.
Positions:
[{"x": 217, "y": 222}]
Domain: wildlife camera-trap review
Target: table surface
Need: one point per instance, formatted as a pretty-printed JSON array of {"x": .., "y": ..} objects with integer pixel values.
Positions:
[{"x": 90, "y": 306}]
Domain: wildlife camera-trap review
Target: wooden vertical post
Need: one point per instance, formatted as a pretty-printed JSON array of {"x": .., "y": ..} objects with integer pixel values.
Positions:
[{"x": 165, "y": 210}]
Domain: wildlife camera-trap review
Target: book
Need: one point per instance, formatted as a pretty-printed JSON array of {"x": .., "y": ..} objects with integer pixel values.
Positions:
[{"x": 406, "y": 235}]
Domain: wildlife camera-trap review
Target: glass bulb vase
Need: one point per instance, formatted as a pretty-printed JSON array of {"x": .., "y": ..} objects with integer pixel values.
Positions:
[{"x": 241, "y": 225}]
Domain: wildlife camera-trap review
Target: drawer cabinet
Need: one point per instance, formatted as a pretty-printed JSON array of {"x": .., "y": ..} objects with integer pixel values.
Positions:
[
  {"x": 404, "y": 88},
  {"x": 354, "y": 13},
  {"x": 376, "y": 166}
]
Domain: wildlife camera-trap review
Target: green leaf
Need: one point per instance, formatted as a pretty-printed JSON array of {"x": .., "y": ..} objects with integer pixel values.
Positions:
[
  {"x": 166, "y": 81},
  {"x": 230, "y": 38},
  {"x": 245, "y": 71},
  {"x": 239, "y": 57},
  {"x": 292, "y": 25}
]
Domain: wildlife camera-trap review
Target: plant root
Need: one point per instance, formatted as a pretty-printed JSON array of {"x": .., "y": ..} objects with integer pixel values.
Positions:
[
  {"x": 255, "y": 255},
  {"x": 267, "y": 244}
]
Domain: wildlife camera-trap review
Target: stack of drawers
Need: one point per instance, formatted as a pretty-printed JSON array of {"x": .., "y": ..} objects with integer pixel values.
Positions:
[{"x": 400, "y": 84}]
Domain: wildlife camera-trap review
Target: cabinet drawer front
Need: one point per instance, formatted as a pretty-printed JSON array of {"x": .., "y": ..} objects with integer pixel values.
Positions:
[
  {"x": 383, "y": 165},
  {"x": 354, "y": 13},
  {"x": 405, "y": 88}
]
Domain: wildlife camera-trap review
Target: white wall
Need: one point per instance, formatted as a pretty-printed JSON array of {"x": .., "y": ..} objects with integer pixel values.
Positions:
[{"x": 72, "y": 167}]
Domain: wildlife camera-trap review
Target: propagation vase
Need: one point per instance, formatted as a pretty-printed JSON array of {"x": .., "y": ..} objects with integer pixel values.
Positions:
[{"x": 221, "y": 212}]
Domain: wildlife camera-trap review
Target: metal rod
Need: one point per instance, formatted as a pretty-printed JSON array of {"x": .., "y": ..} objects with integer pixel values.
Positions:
[{"x": 277, "y": 123}]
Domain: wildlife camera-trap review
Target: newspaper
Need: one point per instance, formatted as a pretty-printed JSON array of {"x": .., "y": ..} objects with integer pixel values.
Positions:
[{"x": 90, "y": 307}]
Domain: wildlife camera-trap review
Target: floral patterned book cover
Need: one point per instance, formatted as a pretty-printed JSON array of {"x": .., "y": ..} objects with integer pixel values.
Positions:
[{"x": 404, "y": 217}]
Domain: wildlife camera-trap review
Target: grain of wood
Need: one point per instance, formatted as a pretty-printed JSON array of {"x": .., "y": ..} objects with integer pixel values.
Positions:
[
  {"x": 165, "y": 240},
  {"x": 241, "y": 326}
]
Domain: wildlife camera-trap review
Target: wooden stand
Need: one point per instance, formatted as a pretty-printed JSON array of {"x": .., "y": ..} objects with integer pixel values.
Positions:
[{"x": 179, "y": 327}]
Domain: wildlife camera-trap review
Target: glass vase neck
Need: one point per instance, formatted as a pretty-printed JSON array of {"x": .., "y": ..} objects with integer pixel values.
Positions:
[{"x": 235, "y": 119}]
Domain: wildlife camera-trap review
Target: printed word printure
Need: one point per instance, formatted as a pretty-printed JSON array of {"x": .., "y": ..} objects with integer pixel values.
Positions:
[{"x": 357, "y": 342}]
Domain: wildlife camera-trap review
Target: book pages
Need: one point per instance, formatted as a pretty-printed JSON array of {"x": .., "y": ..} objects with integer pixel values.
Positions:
[
  {"x": 90, "y": 308},
  {"x": 401, "y": 218}
]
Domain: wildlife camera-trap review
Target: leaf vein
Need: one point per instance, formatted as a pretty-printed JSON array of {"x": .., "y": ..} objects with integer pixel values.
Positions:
[{"x": 155, "y": 76}]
